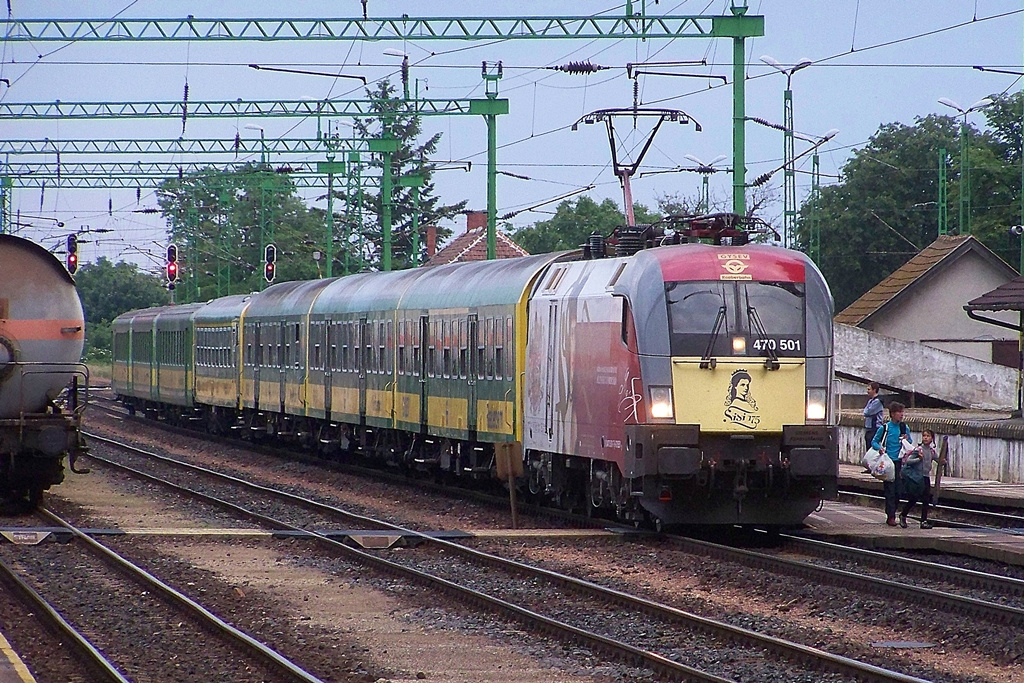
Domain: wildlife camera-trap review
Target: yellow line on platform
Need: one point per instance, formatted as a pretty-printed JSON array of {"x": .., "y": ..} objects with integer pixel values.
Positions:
[{"x": 19, "y": 666}]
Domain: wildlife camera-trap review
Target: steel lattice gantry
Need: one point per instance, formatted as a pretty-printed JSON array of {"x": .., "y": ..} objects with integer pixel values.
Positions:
[{"x": 634, "y": 23}]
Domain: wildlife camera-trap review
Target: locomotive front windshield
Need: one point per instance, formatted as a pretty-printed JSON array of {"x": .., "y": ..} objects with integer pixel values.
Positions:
[{"x": 736, "y": 318}]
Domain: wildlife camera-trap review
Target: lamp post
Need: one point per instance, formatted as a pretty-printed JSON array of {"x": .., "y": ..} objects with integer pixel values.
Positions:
[
  {"x": 705, "y": 170},
  {"x": 789, "y": 190},
  {"x": 965, "y": 162}
]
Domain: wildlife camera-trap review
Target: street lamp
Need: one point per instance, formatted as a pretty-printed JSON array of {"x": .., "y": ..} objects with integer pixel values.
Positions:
[
  {"x": 705, "y": 170},
  {"x": 965, "y": 164},
  {"x": 263, "y": 141},
  {"x": 789, "y": 189}
]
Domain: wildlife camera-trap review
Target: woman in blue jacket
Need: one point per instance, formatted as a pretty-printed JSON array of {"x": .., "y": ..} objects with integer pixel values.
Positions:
[{"x": 888, "y": 441}]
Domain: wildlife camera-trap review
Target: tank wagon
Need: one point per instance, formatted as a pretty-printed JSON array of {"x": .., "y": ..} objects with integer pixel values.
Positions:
[
  {"x": 42, "y": 332},
  {"x": 683, "y": 384}
]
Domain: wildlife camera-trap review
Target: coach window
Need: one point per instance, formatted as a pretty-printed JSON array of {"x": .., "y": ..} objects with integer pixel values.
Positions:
[
  {"x": 389, "y": 365},
  {"x": 481, "y": 352},
  {"x": 416, "y": 352},
  {"x": 510, "y": 350},
  {"x": 446, "y": 358},
  {"x": 463, "y": 350},
  {"x": 499, "y": 347},
  {"x": 381, "y": 347},
  {"x": 489, "y": 351},
  {"x": 431, "y": 348},
  {"x": 401, "y": 347}
]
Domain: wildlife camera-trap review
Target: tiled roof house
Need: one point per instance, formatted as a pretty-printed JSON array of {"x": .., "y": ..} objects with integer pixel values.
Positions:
[
  {"x": 472, "y": 244},
  {"x": 923, "y": 300}
]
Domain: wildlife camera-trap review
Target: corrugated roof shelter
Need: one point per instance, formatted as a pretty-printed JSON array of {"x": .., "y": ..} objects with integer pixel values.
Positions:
[
  {"x": 1005, "y": 297},
  {"x": 923, "y": 300}
]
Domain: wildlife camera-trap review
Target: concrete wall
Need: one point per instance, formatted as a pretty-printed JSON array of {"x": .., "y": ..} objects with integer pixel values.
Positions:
[
  {"x": 932, "y": 311},
  {"x": 972, "y": 455},
  {"x": 956, "y": 379}
]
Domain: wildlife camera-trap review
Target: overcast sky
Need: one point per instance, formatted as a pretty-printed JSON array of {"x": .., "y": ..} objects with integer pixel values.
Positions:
[{"x": 874, "y": 62}]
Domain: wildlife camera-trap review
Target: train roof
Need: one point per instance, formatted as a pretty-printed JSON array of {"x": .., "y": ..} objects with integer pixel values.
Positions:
[
  {"x": 166, "y": 312},
  {"x": 476, "y": 283},
  {"x": 286, "y": 299},
  {"x": 366, "y": 292},
  {"x": 226, "y": 308}
]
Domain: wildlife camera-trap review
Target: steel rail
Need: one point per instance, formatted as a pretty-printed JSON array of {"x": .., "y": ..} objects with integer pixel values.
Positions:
[
  {"x": 893, "y": 590},
  {"x": 909, "y": 565},
  {"x": 93, "y": 658},
  {"x": 276, "y": 661},
  {"x": 793, "y": 652}
]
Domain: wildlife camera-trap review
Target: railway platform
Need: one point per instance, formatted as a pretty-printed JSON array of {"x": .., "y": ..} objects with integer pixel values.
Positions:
[
  {"x": 865, "y": 526},
  {"x": 12, "y": 669}
]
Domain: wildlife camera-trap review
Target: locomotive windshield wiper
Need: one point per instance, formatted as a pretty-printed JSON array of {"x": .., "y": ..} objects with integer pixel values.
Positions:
[
  {"x": 772, "y": 361},
  {"x": 706, "y": 361}
]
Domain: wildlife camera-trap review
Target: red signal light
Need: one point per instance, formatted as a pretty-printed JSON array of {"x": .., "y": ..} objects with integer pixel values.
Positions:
[
  {"x": 172, "y": 271},
  {"x": 269, "y": 271},
  {"x": 72, "y": 263}
]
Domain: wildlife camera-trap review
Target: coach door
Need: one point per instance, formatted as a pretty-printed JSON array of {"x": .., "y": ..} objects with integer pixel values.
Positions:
[
  {"x": 284, "y": 359},
  {"x": 467, "y": 351},
  {"x": 424, "y": 358},
  {"x": 364, "y": 344},
  {"x": 551, "y": 371},
  {"x": 257, "y": 345},
  {"x": 331, "y": 351},
  {"x": 238, "y": 364}
]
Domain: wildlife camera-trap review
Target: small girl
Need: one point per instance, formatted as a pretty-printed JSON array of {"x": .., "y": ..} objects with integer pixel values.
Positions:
[{"x": 919, "y": 463}]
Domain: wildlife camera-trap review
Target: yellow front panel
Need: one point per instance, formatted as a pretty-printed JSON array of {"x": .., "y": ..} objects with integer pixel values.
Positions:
[
  {"x": 739, "y": 394},
  {"x": 119, "y": 374},
  {"x": 344, "y": 400},
  {"x": 450, "y": 413},
  {"x": 494, "y": 417},
  {"x": 379, "y": 403},
  {"x": 215, "y": 391},
  {"x": 408, "y": 408}
]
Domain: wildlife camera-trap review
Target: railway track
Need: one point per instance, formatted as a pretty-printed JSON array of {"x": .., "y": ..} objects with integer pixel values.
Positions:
[
  {"x": 582, "y": 595},
  {"x": 127, "y": 624}
]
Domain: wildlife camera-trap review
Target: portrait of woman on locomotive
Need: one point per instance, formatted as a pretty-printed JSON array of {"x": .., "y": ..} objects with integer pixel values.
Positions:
[{"x": 740, "y": 406}]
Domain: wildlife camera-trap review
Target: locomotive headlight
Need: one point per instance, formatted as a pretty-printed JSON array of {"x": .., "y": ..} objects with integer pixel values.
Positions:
[
  {"x": 739, "y": 345},
  {"x": 816, "y": 399},
  {"x": 661, "y": 403}
]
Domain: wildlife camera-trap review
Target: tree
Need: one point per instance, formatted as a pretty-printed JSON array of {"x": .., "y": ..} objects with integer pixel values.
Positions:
[
  {"x": 885, "y": 208},
  {"x": 573, "y": 223},
  {"x": 411, "y": 158},
  {"x": 108, "y": 290},
  {"x": 223, "y": 220}
]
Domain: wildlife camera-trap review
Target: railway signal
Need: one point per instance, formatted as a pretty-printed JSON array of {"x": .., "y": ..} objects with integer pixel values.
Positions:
[
  {"x": 172, "y": 265},
  {"x": 269, "y": 263},
  {"x": 72, "y": 253}
]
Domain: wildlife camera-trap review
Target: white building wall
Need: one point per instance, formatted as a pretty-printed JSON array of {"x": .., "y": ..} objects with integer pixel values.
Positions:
[{"x": 933, "y": 310}]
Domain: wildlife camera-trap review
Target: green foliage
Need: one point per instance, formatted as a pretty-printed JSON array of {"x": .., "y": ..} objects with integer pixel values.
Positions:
[
  {"x": 574, "y": 221},
  {"x": 108, "y": 290},
  {"x": 885, "y": 209},
  {"x": 409, "y": 159},
  {"x": 222, "y": 220}
]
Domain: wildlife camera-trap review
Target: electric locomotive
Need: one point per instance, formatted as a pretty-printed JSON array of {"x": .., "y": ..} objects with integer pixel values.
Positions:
[
  {"x": 42, "y": 332},
  {"x": 680, "y": 384}
]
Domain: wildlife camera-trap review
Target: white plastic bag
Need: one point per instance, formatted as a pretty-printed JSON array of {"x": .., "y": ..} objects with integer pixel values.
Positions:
[{"x": 881, "y": 466}]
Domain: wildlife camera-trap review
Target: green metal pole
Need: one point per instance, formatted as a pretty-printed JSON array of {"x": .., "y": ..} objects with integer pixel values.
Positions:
[
  {"x": 739, "y": 160},
  {"x": 5, "y": 198},
  {"x": 964, "y": 230},
  {"x": 330, "y": 223},
  {"x": 416, "y": 226},
  {"x": 789, "y": 173},
  {"x": 492, "y": 187},
  {"x": 814, "y": 219},
  {"x": 385, "y": 194},
  {"x": 943, "y": 209}
]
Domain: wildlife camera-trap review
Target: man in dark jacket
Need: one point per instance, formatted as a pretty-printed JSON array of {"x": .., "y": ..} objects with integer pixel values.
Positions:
[{"x": 874, "y": 415}]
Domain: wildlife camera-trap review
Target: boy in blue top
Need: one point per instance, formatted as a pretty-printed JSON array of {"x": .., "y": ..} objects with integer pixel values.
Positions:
[{"x": 888, "y": 441}]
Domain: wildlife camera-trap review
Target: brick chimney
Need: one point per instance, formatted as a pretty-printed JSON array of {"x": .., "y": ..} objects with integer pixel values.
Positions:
[
  {"x": 431, "y": 241},
  {"x": 475, "y": 219}
]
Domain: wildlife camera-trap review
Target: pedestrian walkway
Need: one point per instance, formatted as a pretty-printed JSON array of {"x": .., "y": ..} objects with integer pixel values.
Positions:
[
  {"x": 12, "y": 669},
  {"x": 865, "y": 526}
]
